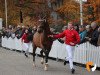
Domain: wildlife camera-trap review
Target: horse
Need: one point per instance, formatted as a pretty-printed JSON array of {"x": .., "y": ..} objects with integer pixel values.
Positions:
[{"x": 41, "y": 40}]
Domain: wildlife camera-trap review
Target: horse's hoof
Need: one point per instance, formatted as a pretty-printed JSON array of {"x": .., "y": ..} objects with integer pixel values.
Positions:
[
  {"x": 42, "y": 61},
  {"x": 45, "y": 68},
  {"x": 34, "y": 65}
]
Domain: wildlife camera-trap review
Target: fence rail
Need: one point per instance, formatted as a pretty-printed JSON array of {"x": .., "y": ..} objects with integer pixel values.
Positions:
[{"x": 83, "y": 53}]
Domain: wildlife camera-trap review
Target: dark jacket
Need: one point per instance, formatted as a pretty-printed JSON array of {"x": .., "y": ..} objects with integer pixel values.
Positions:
[
  {"x": 94, "y": 38},
  {"x": 18, "y": 33}
]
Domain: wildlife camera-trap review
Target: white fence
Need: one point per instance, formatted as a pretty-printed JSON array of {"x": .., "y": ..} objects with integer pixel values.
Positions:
[{"x": 83, "y": 53}]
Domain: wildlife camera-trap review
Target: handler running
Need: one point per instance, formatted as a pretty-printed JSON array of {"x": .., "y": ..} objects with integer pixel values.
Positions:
[{"x": 71, "y": 39}]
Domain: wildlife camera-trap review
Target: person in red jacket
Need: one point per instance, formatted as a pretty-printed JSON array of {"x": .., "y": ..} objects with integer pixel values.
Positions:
[
  {"x": 71, "y": 39},
  {"x": 25, "y": 42}
]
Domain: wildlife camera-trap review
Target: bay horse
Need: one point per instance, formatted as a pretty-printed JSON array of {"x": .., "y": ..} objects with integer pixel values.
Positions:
[{"x": 41, "y": 40}]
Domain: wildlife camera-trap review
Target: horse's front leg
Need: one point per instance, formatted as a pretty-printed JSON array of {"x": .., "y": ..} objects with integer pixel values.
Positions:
[
  {"x": 34, "y": 50},
  {"x": 42, "y": 60},
  {"x": 46, "y": 60}
]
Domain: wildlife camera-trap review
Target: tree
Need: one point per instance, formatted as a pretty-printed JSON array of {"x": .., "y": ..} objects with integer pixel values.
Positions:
[
  {"x": 91, "y": 11},
  {"x": 69, "y": 10},
  {"x": 18, "y": 10}
]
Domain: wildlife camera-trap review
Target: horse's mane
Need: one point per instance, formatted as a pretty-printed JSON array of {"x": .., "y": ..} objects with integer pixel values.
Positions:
[{"x": 47, "y": 28}]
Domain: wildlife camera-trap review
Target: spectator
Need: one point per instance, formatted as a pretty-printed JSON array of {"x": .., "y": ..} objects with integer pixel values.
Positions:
[
  {"x": 13, "y": 33},
  {"x": 8, "y": 33},
  {"x": 34, "y": 30},
  {"x": 82, "y": 33},
  {"x": 76, "y": 27},
  {"x": 95, "y": 34},
  {"x": 30, "y": 35},
  {"x": 3, "y": 32},
  {"x": 22, "y": 31},
  {"x": 89, "y": 32},
  {"x": 64, "y": 28},
  {"x": 18, "y": 32},
  {"x": 10, "y": 27}
]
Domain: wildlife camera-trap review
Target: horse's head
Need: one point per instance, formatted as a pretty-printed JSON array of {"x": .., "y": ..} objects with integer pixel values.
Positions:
[{"x": 41, "y": 26}]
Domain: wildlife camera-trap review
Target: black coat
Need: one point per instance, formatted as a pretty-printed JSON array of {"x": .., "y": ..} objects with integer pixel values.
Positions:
[{"x": 94, "y": 38}]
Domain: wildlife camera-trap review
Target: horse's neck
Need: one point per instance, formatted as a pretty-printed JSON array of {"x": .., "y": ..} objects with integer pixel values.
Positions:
[{"x": 47, "y": 30}]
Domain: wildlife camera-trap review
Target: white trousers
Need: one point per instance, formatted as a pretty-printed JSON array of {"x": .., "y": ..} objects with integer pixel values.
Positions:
[
  {"x": 70, "y": 52},
  {"x": 26, "y": 47}
]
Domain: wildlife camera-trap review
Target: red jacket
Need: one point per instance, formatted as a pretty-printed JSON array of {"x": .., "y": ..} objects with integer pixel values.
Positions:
[
  {"x": 70, "y": 36},
  {"x": 24, "y": 38}
]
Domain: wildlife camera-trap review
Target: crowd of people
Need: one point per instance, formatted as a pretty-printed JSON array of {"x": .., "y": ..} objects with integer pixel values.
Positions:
[
  {"x": 89, "y": 33},
  {"x": 16, "y": 31}
]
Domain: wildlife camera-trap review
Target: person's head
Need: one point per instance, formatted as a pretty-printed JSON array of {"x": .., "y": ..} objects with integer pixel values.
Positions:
[
  {"x": 10, "y": 26},
  {"x": 70, "y": 25},
  {"x": 99, "y": 29},
  {"x": 3, "y": 28},
  {"x": 81, "y": 28},
  {"x": 93, "y": 25},
  {"x": 23, "y": 27},
  {"x": 88, "y": 27},
  {"x": 64, "y": 28},
  {"x": 26, "y": 30},
  {"x": 34, "y": 28},
  {"x": 18, "y": 27},
  {"x": 76, "y": 27}
]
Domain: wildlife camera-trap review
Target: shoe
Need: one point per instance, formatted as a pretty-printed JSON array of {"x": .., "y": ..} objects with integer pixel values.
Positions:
[
  {"x": 26, "y": 55},
  {"x": 65, "y": 62},
  {"x": 73, "y": 71}
]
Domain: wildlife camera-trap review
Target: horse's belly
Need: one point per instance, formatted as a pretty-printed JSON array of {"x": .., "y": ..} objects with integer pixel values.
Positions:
[{"x": 39, "y": 40}]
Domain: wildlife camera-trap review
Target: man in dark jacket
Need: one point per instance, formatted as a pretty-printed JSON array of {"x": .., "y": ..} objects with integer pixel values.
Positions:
[
  {"x": 95, "y": 34},
  {"x": 18, "y": 32}
]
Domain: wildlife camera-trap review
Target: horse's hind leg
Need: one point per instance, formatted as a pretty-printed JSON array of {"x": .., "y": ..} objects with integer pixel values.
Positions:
[
  {"x": 34, "y": 50},
  {"x": 42, "y": 60}
]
